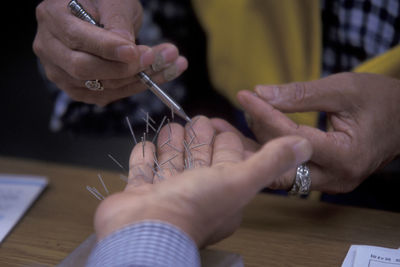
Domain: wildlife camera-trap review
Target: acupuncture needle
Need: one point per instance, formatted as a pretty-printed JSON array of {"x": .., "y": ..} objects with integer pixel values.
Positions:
[{"x": 80, "y": 12}]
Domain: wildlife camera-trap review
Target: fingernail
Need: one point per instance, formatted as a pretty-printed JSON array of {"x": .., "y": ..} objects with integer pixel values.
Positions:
[
  {"x": 171, "y": 72},
  {"x": 249, "y": 120},
  {"x": 126, "y": 53},
  {"x": 302, "y": 151},
  {"x": 147, "y": 58},
  {"x": 164, "y": 57},
  {"x": 158, "y": 63},
  {"x": 268, "y": 93}
]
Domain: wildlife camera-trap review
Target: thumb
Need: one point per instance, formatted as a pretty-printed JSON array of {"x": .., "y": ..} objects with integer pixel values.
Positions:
[
  {"x": 123, "y": 17},
  {"x": 270, "y": 162},
  {"x": 319, "y": 95}
]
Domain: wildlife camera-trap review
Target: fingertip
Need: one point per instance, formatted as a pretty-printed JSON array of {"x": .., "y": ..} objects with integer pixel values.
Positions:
[
  {"x": 199, "y": 118},
  {"x": 176, "y": 69},
  {"x": 201, "y": 125},
  {"x": 266, "y": 92},
  {"x": 182, "y": 63},
  {"x": 242, "y": 96},
  {"x": 302, "y": 150},
  {"x": 246, "y": 98},
  {"x": 252, "y": 104},
  {"x": 292, "y": 150},
  {"x": 221, "y": 125}
]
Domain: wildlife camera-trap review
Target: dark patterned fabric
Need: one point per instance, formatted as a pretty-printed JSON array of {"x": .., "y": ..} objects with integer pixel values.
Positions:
[{"x": 357, "y": 30}]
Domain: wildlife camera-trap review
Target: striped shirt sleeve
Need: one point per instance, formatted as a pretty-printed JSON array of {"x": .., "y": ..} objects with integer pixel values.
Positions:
[{"x": 149, "y": 243}]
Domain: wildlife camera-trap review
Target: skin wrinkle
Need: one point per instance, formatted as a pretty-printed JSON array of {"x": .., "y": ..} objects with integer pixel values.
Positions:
[
  {"x": 300, "y": 92},
  {"x": 75, "y": 46}
]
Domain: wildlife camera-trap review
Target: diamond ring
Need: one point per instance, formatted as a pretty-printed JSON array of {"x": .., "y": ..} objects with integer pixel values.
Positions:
[
  {"x": 94, "y": 85},
  {"x": 302, "y": 181}
]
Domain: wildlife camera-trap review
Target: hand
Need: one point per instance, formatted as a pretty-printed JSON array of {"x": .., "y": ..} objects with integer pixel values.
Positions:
[
  {"x": 205, "y": 201},
  {"x": 364, "y": 125},
  {"x": 73, "y": 51}
]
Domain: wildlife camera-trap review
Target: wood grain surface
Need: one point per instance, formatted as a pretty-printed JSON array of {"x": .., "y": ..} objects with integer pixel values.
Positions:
[{"x": 276, "y": 230}]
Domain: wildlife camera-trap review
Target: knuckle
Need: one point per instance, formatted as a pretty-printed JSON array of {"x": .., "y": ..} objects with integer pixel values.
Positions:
[
  {"x": 52, "y": 75},
  {"x": 72, "y": 40},
  {"x": 40, "y": 12},
  {"x": 352, "y": 177},
  {"x": 37, "y": 47},
  {"x": 299, "y": 92},
  {"x": 77, "y": 68}
]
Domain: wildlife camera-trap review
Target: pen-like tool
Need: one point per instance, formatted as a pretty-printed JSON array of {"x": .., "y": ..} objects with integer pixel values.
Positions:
[{"x": 81, "y": 13}]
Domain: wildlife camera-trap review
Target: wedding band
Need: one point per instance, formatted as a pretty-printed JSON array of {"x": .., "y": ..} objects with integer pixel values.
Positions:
[
  {"x": 94, "y": 85},
  {"x": 302, "y": 181}
]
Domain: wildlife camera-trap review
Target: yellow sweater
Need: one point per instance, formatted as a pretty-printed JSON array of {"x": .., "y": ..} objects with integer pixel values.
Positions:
[{"x": 254, "y": 42}]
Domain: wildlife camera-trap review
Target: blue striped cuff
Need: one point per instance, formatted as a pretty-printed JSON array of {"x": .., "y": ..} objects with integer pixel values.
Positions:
[{"x": 148, "y": 243}]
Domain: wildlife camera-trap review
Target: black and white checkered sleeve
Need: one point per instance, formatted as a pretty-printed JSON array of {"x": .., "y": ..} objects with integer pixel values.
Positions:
[
  {"x": 149, "y": 243},
  {"x": 355, "y": 31}
]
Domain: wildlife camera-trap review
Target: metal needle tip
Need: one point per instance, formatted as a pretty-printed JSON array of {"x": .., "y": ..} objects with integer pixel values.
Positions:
[{"x": 183, "y": 115}]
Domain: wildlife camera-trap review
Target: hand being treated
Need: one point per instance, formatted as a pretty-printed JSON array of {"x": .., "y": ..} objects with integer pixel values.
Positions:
[
  {"x": 206, "y": 199},
  {"x": 363, "y": 114},
  {"x": 73, "y": 51}
]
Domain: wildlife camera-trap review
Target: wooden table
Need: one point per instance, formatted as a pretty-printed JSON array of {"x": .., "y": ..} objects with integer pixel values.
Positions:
[{"x": 276, "y": 231}]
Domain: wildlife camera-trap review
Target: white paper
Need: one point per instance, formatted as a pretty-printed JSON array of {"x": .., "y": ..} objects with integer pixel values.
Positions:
[
  {"x": 371, "y": 256},
  {"x": 17, "y": 193}
]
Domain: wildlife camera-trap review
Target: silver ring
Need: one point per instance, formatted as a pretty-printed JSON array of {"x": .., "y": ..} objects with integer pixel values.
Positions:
[
  {"x": 302, "y": 181},
  {"x": 94, "y": 85}
]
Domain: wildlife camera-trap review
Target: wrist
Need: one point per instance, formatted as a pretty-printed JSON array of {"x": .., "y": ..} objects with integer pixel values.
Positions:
[{"x": 118, "y": 211}]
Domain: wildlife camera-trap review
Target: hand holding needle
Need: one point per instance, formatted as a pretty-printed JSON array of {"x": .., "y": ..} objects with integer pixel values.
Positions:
[{"x": 81, "y": 13}]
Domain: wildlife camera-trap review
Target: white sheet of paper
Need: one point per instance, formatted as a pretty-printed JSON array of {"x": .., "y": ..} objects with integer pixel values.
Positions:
[
  {"x": 17, "y": 193},
  {"x": 371, "y": 256}
]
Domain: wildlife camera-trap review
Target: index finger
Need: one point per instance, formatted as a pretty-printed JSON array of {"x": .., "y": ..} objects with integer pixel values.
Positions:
[
  {"x": 269, "y": 122},
  {"x": 325, "y": 94}
]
